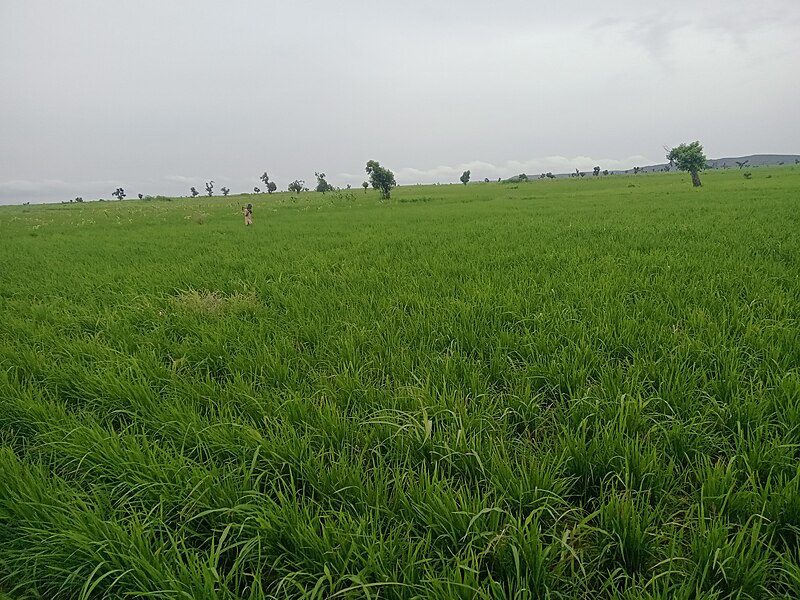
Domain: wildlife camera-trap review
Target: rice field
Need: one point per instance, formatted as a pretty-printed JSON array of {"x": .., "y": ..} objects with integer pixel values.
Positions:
[{"x": 555, "y": 389}]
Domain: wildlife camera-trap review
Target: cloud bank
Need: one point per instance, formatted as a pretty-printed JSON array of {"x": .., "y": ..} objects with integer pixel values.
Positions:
[{"x": 480, "y": 170}]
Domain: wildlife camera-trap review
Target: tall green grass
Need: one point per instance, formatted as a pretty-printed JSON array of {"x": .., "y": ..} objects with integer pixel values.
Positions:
[{"x": 566, "y": 389}]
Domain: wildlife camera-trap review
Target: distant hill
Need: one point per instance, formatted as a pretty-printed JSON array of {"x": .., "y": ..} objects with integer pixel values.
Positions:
[{"x": 730, "y": 162}]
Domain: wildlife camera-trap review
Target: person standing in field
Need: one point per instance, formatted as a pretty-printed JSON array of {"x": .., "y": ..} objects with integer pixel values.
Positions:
[{"x": 248, "y": 214}]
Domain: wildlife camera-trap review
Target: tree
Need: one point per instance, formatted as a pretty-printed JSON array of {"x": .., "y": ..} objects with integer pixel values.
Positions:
[
  {"x": 689, "y": 157},
  {"x": 194, "y": 192},
  {"x": 485, "y": 180},
  {"x": 322, "y": 185},
  {"x": 365, "y": 185},
  {"x": 550, "y": 175},
  {"x": 225, "y": 191},
  {"x": 119, "y": 193},
  {"x": 210, "y": 188},
  {"x": 596, "y": 171},
  {"x": 296, "y": 186},
  {"x": 742, "y": 164},
  {"x": 464, "y": 177},
  {"x": 523, "y": 177},
  {"x": 271, "y": 186},
  {"x": 141, "y": 196},
  {"x": 79, "y": 199},
  {"x": 382, "y": 179},
  {"x": 256, "y": 190}
]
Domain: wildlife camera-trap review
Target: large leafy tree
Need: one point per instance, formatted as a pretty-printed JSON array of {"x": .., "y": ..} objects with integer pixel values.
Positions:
[
  {"x": 271, "y": 186},
  {"x": 689, "y": 157},
  {"x": 322, "y": 184},
  {"x": 464, "y": 177},
  {"x": 381, "y": 179}
]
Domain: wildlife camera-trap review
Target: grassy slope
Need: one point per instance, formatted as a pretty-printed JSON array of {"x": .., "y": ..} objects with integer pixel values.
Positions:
[{"x": 590, "y": 387}]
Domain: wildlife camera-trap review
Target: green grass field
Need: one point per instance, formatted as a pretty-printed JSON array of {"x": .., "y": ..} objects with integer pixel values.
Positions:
[{"x": 569, "y": 389}]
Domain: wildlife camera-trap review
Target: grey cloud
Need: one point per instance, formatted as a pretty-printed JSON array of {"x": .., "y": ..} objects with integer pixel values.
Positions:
[
  {"x": 53, "y": 190},
  {"x": 480, "y": 170},
  {"x": 656, "y": 35},
  {"x": 181, "y": 179},
  {"x": 655, "y": 27},
  {"x": 159, "y": 96},
  {"x": 24, "y": 186}
]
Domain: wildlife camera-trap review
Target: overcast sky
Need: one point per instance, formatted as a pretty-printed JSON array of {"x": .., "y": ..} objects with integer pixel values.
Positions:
[{"x": 159, "y": 95}]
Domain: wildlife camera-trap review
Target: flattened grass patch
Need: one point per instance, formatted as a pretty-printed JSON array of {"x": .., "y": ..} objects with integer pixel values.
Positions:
[{"x": 214, "y": 303}]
